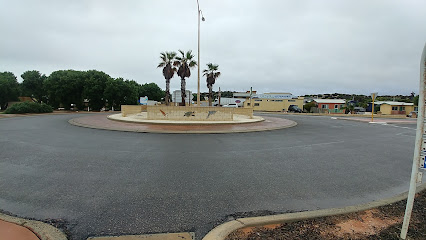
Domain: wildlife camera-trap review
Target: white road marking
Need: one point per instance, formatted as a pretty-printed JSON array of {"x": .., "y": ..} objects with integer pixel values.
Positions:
[
  {"x": 404, "y": 127},
  {"x": 287, "y": 147},
  {"x": 383, "y": 123}
]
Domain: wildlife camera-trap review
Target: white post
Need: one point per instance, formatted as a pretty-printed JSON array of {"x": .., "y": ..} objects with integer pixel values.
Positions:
[
  {"x": 417, "y": 148},
  {"x": 251, "y": 97},
  {"x": 372, "y": 108}
]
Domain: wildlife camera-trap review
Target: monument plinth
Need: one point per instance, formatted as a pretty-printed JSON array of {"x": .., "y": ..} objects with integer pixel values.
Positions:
[{"x": 185, "y": 115}]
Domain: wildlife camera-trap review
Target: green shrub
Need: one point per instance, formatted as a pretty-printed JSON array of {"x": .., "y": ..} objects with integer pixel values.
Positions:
[{"x": 28, "y": 107}]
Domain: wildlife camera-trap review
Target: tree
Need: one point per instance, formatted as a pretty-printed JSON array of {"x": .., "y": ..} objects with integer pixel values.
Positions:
[
  {"x": 363, "y": 104},
  {"x": 94, "y": 88},
  {"x": 227, "y": 94},
  {"x": 211, "y": 73},
  {"x": 65, "y": 87},
  {"x": 121, "y": 92},
  {"x": 152, "y": 91},
  {"x": 185, "y": 63},
  {"x": 33, "y": 85},
  {"x": 349, "y": 108},
  {"x": 9, "y": 88},
  {"x": 114, "y": 92},
  {"x": 131, "y": 92},
  {"x": 416, "y": 100},
  {"x": 308, "y": 106},
  {"x": 168, "y": 71}
]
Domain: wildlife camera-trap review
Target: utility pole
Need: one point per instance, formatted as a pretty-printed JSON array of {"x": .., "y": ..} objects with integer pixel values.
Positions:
[
  {"x": 219, "y": 96},
  {"x": 251, "y": 97},
  {"x": 200, "y": 13},
  {"x": 373, "y": 96}
]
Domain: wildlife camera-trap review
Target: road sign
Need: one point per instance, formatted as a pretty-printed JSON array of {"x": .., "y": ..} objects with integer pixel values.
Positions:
[
  {"x": 143, "y": 100},
  {"x": 373, "y": 96}
]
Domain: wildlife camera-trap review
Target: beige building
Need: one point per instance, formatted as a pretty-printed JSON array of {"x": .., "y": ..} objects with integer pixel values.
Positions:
[
  {"x": 273, "y": 104},
  {"x": 395, "y": 108}
]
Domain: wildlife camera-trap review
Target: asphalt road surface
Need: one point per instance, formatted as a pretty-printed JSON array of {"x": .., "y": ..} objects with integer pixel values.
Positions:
[{"x": 100, "y": 182}]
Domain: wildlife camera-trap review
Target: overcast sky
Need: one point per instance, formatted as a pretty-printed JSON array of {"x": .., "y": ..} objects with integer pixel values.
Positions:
[{"x": 302, "y": 47}]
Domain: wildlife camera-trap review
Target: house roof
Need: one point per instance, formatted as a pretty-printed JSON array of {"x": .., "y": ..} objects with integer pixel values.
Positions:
[
  {"x": 26, "y": 99},
  {"x": 392, "y": 103},
  {"x": 339, "y": 101},
  {"x": 241, "y": 94}
]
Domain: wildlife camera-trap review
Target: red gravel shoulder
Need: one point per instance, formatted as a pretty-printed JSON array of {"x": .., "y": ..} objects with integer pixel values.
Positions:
[{"x": 377, "y": 223}]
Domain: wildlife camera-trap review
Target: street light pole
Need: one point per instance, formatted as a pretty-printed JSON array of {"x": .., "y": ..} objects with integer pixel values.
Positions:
[{"x": 198, "y": 63}]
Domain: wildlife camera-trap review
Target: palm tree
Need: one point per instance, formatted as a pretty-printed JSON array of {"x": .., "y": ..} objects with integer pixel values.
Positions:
[
  {"x": 184, "y": 63},
  {"x": 211, "y": 73},
  {"x": 168, "y": 71}
]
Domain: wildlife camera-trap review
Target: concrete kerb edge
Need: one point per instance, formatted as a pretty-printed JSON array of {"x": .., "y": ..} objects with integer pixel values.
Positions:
[
  {"x": 356, "y": 120},
  {"x": 72, "y": 122},
  {"x": 383, "y": 123},
  {"x": 43, "y": 114},
  {"x": 42, "y": 230},
  {"x": 335, "y": 115},
  {"x": 222, "y": 231},
  {"x": 165, "y": 123}
]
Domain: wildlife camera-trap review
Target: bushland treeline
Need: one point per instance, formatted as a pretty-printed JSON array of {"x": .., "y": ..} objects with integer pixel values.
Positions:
[{"x": 65, "y": 87}]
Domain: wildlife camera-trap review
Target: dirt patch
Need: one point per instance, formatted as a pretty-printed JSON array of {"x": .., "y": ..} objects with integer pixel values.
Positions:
[
  {"x": 370, "y": 222},
  {"x": 378, "y": 223}
]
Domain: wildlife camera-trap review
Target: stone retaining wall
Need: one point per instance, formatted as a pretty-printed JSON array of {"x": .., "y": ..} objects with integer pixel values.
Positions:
[
  {"x": 132, "y": 109},
  {"x": 244, "y": 111},
  {"x": 188, "y": 113}
]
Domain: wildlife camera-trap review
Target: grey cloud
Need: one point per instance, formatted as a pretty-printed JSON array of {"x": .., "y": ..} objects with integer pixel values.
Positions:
[{"x": 291, "y": 46}]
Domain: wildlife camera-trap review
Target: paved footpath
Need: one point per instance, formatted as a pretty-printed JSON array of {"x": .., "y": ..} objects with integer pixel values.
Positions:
[{"x": 378, "y": 120}]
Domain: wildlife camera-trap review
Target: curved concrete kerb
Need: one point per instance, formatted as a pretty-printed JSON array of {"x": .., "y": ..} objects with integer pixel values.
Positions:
[
  {"x": 102, "y": 122},
  {"x": 222, "y": 231},
  {"x": 143, "y": 118}
]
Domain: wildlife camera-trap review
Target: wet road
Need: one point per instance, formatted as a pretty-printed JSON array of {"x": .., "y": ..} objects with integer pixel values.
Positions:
[{"x": 108, "y": 183}]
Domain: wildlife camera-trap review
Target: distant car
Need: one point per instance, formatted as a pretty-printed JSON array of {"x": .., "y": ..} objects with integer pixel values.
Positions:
[
  {"x": 294, "y": 108},
  {"x": 231, "y": 105},
  {"x": 412, "y": 114}
]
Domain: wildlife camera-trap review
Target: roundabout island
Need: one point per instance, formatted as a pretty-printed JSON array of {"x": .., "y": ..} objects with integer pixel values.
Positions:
[{"x": 183, "y": 119}]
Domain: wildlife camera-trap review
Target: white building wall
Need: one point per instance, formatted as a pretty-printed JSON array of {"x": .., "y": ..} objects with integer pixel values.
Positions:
[{"x": 177, "y": 97}]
